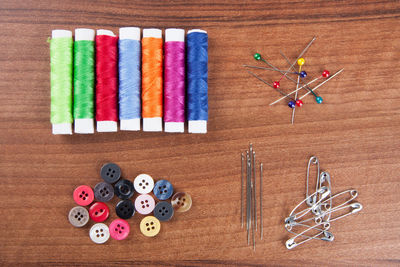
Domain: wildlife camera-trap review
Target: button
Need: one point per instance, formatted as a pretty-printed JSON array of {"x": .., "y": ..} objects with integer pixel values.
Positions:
[
  {"x": 163, "y": 211},
  {"x": 99, "y": 233},
  {"x": 99, "y": 212},
  {"x": 125, "y": 209},
  {"x": 119, "y": 229},
  {"x": 110, "y": 172},
  {"x": 163, "y": 189},
  {"x": 78, "y": 216},
  {"x": 83, "y": 195},
  {"x": 144, "y": 204},
  {"x": 123, "y": 189},
  {"x": 150, "y": 226},
  {"x": 143, "y": 184},
  {"x": 181, "y": 202},
  {"x": 103, "y": 192}
]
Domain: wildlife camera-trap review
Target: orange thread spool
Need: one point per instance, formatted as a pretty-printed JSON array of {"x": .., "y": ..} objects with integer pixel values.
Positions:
[{"x": 152, "y": 82}]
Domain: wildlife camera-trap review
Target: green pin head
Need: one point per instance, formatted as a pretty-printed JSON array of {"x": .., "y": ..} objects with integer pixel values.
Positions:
[{"x": 257, "y": 56}]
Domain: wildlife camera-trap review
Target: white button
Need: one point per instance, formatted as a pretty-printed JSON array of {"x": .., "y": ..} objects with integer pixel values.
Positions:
[
  {"x": 99, "y": 233},
  {"x": 143, "y": 184}
]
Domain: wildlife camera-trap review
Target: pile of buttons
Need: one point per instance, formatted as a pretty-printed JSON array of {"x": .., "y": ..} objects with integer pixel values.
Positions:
[{"x": 124, "y": 189}]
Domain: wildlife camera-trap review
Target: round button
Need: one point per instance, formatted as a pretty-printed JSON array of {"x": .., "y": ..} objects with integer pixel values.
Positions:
[
  {"x": 83, "y": 195},
  {"x": 123, "y": 189},
  {"x": 99, "y": 212},
  {"x": 143, "y": 184},
  {"x": 163, "y": 211},
  {"x": 144, "y": 204},
  {"x": 78, "y": 216},
  {"x": 110, "y": 172},
  {"x": 181, "y": 202},
  {"x": 99, "y": 233},
  {"x": 125, "y": 209},
  {"x": 119, "y": 229},
  {"x": 163, "y": 189},
  {"x": 150, "y": 226},
  {"x": 103, "y": 192}
]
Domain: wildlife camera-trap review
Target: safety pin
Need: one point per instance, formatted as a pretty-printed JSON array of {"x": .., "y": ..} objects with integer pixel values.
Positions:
[
  {"x": 325, "y": 226},
  {"x": 313, "y": 160},
  {"x": 353, "y": 193},
  {"x": 291, "y": 243},
  {"x": 324, "y": 191},
  {"x": 356, "y": 207},
  {"x": 325, "y": 178}
]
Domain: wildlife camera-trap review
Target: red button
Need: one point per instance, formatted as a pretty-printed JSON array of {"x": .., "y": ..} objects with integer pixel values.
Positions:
[
  {"x": 119, "y": 229},
  {"x": 83, "y": 195},
  {"x": 99, "y": 212}
]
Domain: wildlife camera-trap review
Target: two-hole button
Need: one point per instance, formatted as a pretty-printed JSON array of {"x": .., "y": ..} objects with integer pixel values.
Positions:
[{"x": 99, "y": 212}]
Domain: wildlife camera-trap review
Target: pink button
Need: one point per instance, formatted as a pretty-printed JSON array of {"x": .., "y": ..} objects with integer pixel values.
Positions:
[
  {"x": 83, "y": 195},
  {"x": 144, "y": 204},
  {"x": 119, "y": 229}
]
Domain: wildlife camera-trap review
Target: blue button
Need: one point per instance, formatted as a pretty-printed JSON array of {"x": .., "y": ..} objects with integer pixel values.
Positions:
[{"x": 163, "y": 189}]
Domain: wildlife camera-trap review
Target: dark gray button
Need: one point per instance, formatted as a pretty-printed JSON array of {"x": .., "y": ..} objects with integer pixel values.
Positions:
[
  {"x": 163, "y": 211},
  {"x": 124, "y": 189},
  {"x": 78, "y": 216},
  {"x": 103, "y": 192},
  {"x": 125, "y": 209},
  {"x": 110, "y": 172}
]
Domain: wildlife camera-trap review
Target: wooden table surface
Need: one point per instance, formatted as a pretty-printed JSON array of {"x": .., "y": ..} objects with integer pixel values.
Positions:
[{"x": 355, "y": 134}]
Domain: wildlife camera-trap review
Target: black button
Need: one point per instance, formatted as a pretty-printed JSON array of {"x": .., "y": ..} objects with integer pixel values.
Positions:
[
  {"x": 125, "y": 209},
  {"x": 163, "y": 211},
  {"x": 124, "y": 189},
  {"x": 110, "y": 172},
  {"x": 103, "y": 192}
]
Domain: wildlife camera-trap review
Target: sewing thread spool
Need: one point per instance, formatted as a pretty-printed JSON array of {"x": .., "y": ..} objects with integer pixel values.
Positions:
[
  {"x": 106, "y": 81},
  {"x": 61, "y": 81},
  {"x": 152, "y": 81},
  {"x": 129, "y": 78},
  {"x": 197, "y": 80},
  {"x": 174, "y": 81},
  {"x": 84, "y": 81}
]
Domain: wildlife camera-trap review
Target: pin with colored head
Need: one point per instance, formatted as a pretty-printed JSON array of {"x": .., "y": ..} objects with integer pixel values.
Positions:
[
  {"x": 257, "y": 56},
  {"x": 301, "y": 61}
]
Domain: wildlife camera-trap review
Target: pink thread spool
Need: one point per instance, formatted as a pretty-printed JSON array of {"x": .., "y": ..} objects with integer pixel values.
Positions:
[{"x": 174, "y": 81}]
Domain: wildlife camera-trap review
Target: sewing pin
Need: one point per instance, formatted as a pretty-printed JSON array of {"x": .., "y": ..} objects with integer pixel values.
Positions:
[
  {"x": 261, "y": 209},
  {"x": 254, "y": 189},
  {"x": 241, "y": 191},
  {"x": 326, "y": 73},
  {"x": 247, "y": 197},
  {"x": 300, "y": 62}
]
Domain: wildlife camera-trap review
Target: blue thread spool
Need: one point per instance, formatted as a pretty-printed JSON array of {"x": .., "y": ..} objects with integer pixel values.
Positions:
[
  {"x": 129, "y": 78},
  {"x": 197, "y": 80}
]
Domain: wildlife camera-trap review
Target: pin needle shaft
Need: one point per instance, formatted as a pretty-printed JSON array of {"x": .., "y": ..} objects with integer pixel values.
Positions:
[
  {"x": 241, "y": 191},
  {"x": 261, "y": 193}
]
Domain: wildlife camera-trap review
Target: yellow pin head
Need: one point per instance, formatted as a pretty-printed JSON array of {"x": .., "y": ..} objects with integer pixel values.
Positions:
[{"x": 301, "y": 61}]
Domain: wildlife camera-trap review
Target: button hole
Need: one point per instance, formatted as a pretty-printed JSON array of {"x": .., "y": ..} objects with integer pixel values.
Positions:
[
  {"x": 143, "y": 207},
  {"x": 148, "y": 229},
  {"x": 151, "y": 223},
  {"x": 165, "y": 191},
  {"x": 164, "y": 186},
  {"x": 102, "y": 235},
  {"x": 101, "y": 230},
  {"x": 143, "y": 181},
  {"x": 120, "y": 232},
  {"x": 147, "y": 224},
  {"x": 98, "y": 235},
  {"x": 147, "y": 205},
  {"x": 146, "y": 201},
  {"x": 147, "y": 183},
  {"x": 153, "y": 227}
]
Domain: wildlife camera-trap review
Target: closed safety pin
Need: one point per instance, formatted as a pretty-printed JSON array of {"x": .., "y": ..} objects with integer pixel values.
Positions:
[
  {"x": 353, "y": 194},
  {"x": 313, "y": 160},
  {"x": 324, "y": 191},
  {"x": 291, "y": 243}
]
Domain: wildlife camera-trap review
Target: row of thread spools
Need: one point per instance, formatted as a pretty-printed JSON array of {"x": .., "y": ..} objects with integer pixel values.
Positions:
[{"x": 105, "y": 79}]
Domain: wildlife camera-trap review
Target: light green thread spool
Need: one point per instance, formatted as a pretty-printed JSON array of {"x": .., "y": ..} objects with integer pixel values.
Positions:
[
  {"x": 61, "y": 81},
  {"x": 84, "y": 77}
]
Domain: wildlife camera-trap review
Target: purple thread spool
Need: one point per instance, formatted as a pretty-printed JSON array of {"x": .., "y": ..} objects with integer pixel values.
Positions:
[{"x": 174, "y": 81}]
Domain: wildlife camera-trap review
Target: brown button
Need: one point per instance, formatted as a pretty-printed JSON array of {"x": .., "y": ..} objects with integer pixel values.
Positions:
[
  {"x": 181, "y": 202},
  {"x": 78, "y": 216}
]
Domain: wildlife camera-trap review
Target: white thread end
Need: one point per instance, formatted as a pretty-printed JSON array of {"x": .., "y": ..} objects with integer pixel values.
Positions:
[
  {"x": 152, "y": 124},
  {"x": 62, "y": 128},
  {"x": 197, "y": 30},
  {"x": 84, "y": 126},
  {"x": 174, "y": 127},
  {"x": 197, "y": 127},
  {"x": 61, "y": 34},
  {"x": 131, "y": 33},
  {"x": 174, "y": 35},
  {"x": 130, "y": 125},
  {"x": 155, "y": 33},
  {"x": 105, "y": 32},
  {"x": 106, "y": 126},
  {"x": 84, "y": 34}
]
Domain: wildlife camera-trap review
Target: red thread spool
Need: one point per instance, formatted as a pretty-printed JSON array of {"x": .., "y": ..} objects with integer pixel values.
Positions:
[{"x": 106, "y": 81}]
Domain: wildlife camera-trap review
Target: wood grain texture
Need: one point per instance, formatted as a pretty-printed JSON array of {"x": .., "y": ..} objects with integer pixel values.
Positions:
[{"x": 355, "y": 134}]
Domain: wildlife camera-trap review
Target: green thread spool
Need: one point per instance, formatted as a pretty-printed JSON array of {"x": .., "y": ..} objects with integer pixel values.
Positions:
[
  {"x": 84, "y": 77},
  {"x": 61, "y": 81}
]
